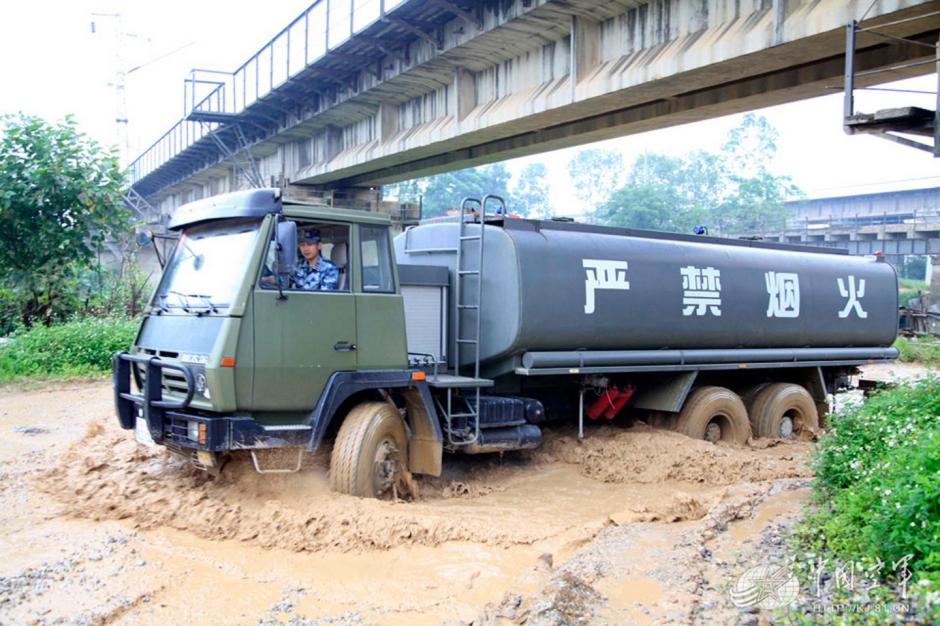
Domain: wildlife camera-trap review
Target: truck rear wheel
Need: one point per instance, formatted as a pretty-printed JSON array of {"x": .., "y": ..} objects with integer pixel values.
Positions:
[
  {"x": 784, "y": 411},
  {"x": 714, "y": 414},
  {"x": 370, "y": 455}
]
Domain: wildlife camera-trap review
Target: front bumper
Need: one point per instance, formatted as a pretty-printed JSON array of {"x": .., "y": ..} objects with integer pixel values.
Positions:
[{"x": 168, "y": 421}]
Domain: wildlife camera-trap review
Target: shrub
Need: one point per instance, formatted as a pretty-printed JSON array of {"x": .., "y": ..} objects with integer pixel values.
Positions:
[
  {"x": 79, "y": 347},
  {"x": 925, "y": 350}
]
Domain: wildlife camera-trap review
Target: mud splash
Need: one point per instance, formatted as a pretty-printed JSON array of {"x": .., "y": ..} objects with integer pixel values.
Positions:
[
  {"x": 645, "y": 455},
  {"x": 520, "y": 500}
]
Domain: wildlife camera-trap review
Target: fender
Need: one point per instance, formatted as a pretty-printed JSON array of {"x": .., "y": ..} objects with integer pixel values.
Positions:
[{"x": 422, "y": 413}]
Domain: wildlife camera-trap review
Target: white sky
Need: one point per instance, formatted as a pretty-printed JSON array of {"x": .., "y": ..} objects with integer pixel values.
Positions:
[{"x": 53, "y": 65}]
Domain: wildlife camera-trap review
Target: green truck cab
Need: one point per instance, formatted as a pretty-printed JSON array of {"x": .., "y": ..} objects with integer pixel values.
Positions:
[{"x": 231, "y": 356}]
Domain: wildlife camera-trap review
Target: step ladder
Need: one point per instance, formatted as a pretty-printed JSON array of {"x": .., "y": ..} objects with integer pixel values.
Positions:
[{"x": 468, "y": 302}]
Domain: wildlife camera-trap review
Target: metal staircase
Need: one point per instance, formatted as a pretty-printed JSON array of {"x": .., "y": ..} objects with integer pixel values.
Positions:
[{"x": 243, "y": 161}]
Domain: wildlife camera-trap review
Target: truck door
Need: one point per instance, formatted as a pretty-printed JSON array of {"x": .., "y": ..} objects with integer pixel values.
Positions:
[
  {"x": 380, "y": 310},
  {"x": 299, "y": 342}
]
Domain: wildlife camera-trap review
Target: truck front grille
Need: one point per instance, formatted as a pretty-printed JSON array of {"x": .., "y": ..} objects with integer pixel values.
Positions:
[{"x": 172, "y": 381}]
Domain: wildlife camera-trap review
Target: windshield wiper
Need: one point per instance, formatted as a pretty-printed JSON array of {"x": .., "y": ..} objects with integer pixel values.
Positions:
[{"x": 184, "y": 301}]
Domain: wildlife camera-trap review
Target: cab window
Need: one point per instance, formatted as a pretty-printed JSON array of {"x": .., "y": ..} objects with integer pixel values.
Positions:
[
  {"x": 376, "y": 260},
  {"x": 321, "y": 263}
]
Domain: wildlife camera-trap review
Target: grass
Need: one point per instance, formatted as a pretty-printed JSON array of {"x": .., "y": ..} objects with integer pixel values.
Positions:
[
  {"x": 876, "y": 509},
  {"x": 924, "y": 350},
  {"x": 74, "y": 349}
]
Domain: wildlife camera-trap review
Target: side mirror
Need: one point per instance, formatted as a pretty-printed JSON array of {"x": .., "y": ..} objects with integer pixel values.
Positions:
[
  {"x": 143, "y": 236},
  {"x": 286, "y": 247}
]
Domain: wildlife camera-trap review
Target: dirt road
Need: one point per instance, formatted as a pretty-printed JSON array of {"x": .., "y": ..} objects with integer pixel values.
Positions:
[{"x": 631, "y": 525}]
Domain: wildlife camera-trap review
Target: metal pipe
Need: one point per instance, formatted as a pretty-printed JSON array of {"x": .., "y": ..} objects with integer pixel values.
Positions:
[
  {"x": 901, "y": 21},
  {"x": 601, "y": 358},
  {"x": 581, "y": 414},
  {"x": 895, "y": 68},
  {"x": 848, "y": 105}
]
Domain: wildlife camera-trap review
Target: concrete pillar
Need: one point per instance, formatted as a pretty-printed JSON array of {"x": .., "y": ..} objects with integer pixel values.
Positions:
[
  {"x": 464, "y": 96},
  {"x": 386, "y": 121},
  {"x": 585, "y": 49},
  {"x": 333, "y": 142}
]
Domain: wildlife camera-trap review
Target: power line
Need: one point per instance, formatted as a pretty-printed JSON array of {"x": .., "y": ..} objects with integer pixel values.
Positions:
[{"x": 883, "y": 182}]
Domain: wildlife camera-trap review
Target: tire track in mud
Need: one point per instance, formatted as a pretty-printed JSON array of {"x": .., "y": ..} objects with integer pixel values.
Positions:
[{"x": 107, "y": 475}]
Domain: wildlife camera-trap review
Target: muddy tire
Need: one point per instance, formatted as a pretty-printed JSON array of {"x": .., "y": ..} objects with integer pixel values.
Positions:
[
  {"x": 784, "y": 411},
  {"x": 370, "y": 455},
  {"x": 714, "y": 414},
  {"x": 750, "y": 394}
]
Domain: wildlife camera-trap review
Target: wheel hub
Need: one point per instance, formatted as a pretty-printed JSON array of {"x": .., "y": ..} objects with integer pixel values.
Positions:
[
  {"x": 786, "y": 427},
  {"x": 713, "y": 432},
  {"x": 385, "y": 467}
]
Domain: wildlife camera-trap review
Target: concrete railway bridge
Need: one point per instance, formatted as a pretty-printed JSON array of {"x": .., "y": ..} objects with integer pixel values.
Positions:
[{"x": 354, "y": 94}]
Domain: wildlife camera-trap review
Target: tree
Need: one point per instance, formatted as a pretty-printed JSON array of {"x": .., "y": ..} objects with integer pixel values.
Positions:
[
  {"x": 666, "y": 193},
  {"x": 530, "y": 194},
  {"x": 596, "y": 173},
  {"x": 443, "y": 192},
  {"x": 60, "y": 200},
  {"x": 732, "y": 191}
]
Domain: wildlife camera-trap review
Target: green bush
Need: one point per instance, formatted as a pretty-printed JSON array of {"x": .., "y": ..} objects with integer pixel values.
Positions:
[
  {"x": 925, "y": 350},
  {"x": 79, "y": 347},
  {"x": 876, "y": 504}
]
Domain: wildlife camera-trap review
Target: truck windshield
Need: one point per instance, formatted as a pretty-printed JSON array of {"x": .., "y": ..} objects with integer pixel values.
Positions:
[{"x": 207, "y": 266}]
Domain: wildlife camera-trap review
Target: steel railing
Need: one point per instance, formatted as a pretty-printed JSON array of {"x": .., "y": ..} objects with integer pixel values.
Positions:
[{"x": 322, "y": 27}]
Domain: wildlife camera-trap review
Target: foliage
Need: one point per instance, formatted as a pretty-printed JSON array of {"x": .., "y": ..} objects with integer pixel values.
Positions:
[
  {"x": 925, "y": 350},
  {"x": 595, "y": 173},
  {"x": 530, "y": 193},
  {"x": 102, "y": 290},
  {"x": 60, "y": 200},
  {"x": 729, "y": 191},
  {"x": 914, "y": 267},
  {"x": 666, "y": 193},
  {"x": 79, "y": 347},
  {"x": 877, "y": 497},
  {"x": 443, "y": 192}
]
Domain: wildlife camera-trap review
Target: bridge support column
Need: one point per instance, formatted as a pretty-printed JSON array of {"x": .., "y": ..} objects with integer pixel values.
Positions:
[
  {"x": 386, "y": 121},
  {"x": 464, "y": 96},
  {"x": 333, "y": 142}
]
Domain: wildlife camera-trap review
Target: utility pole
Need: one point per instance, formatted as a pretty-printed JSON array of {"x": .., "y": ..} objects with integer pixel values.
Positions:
[{"x": 119, "y": 84}]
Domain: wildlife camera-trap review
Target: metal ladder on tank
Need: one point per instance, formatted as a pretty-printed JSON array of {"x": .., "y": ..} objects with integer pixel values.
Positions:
[{"x": 468, "y": 301}]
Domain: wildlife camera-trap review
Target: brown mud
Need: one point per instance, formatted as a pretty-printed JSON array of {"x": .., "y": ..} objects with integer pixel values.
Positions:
[{"x": 614, "y": 529}]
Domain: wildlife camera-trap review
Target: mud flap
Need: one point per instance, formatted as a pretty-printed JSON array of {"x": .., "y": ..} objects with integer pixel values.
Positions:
[{"x": 425, "y": 445}]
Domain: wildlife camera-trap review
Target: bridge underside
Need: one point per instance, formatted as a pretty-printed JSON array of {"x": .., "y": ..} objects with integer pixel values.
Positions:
[{"x": 498, "y": 80}]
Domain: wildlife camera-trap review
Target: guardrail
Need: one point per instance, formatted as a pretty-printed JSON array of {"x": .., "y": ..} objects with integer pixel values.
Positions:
[
  {"x": 323, "y": 26},
  {"x": 924, "y": 216}
]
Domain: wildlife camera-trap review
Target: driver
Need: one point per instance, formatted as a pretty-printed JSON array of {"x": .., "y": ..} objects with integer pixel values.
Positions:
[{"x": 314, "y": 273}]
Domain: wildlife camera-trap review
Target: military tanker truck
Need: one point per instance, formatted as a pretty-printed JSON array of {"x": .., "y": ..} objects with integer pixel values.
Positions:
[{"x": 467, "y": 334}]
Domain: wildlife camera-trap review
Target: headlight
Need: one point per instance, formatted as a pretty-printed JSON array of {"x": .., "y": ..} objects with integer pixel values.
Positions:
[{"x": 196, "y": 431}]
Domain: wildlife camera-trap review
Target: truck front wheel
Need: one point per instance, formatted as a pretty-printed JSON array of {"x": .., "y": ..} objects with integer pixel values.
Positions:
[
  {"x": 784, "y": 411},
  {"x": 370, "y": 455},
  {"x": 714, "y": 414}
]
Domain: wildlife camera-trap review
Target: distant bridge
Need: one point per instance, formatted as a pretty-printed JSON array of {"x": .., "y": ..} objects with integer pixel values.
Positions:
[
  {"x": 353, "y": 95},
  {"x": 894, "y": 223}
]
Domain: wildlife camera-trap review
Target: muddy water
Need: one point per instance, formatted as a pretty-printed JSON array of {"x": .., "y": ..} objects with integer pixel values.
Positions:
[{"x": 97, "y": 529}]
